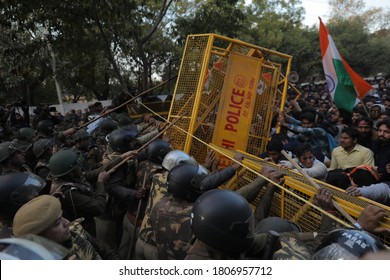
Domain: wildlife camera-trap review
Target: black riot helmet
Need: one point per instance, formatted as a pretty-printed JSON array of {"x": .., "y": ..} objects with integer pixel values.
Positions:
[
  {"x": 122, "y": 140},
  {"x": 80, "y": 134},
  {"x": 124, "y": 120},
  {"x": 276, "y": 224},
  {"x": 107, "y": 125},
  {"x": 184, "y": 181},
  {"x": 45, "y": 126},
  {"x": 16, "y": 189},
  {"x": 157, "y": 150},
  {"x": 347, "y": 244},
  {"x": 224, "y": 220}
]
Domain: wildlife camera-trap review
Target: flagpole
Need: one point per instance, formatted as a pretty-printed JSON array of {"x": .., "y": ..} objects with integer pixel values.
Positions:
[{"x": 364, "y": 105}]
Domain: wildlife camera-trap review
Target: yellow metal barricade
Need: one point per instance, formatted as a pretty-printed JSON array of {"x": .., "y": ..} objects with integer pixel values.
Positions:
[
  {"x": 293, "y": 199},
  {"x": 227, "y": 94},
  {"x": 213, "y": 67}
]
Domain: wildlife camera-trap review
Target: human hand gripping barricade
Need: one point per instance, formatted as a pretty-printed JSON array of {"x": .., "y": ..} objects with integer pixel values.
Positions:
[{"x": 314, "y": 184}]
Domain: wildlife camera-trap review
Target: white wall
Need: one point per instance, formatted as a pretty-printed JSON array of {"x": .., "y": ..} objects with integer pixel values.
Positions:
[{"x": 69, "y": 106}]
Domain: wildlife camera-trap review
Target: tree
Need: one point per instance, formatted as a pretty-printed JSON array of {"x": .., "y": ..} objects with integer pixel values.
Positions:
[
  {"x": 224, "y": 17},
  {"x": 356, "y": 34},
  {"x": 139, "y": 32},
  {"x": 22, "y": 53}
]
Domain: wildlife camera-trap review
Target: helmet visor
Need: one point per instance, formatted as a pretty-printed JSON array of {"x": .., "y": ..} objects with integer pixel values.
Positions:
[
  {"x": 334, "y": 252},
  {"x": 17, "y": 145}
]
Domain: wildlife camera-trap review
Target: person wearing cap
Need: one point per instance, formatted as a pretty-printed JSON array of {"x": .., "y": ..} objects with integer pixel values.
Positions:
[
  {"x": 12, "y": 156},
  {"x": 43, "y": 216}
]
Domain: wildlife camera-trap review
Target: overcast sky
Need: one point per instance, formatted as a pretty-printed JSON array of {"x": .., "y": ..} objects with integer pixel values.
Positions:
[{"x": 320, "y": 8}]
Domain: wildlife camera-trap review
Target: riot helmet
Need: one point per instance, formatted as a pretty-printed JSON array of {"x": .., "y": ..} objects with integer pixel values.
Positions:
[
  {"x": 176, "y": 157},
  {"x": 157, "y": 150},
  {"x": 45, "y": 126},
  {"x": 80, "y": 135},
  {"x": 346, "y": 244},
  {"x": 42, "y": 145},
  {"x": 26, "y": 134},
  {"x": 8, "y": 148},
  {"x": 31, "y": 247},
  {"x": 276, "y": 224},
  {"x": 230, "y": 231},
  {"x": 65, "y": 161},
  {"x": 18, "y": 188},
  {"x": 184, "y": 181},
  {"x": 122, "y": 140},
  {"x": 124, "y": 120},
  {"x": 107, "y": 125}
]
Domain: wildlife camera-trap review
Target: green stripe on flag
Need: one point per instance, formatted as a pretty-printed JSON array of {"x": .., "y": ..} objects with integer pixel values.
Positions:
[{"x": 345, "y": 94}]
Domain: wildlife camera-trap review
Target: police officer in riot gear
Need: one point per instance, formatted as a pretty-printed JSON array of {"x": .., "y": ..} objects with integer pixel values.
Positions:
[
  {"x": 43, "y": 150},
  {"x": 221, "y": 235},
  {"x": 16, "y": 189},
  {"x": 26, "y": 134},
  {"x": 12, "y": 156},
  {"x": 347, "y": 244},
  {"x": 147, "y": 168},
  {"x": 45, "y": 129},
  {"x": 146, "y": 245},
  {"x": 186, "y": 183},
  {"x": 81, "y": 199}
]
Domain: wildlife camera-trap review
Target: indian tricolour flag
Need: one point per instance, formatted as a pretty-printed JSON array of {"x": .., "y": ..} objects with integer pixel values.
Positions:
[{"x": 345, "y": 85}]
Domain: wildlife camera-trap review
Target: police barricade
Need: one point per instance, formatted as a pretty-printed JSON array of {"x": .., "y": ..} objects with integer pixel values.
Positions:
[{"x": 294, "y": 199}]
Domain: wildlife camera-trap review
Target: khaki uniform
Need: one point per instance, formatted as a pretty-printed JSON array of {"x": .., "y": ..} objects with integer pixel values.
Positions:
[
  {"x": 81, "y": 247},
  {"x": 146, "y": 247},
  {"x": 202, "y": 251},
  {"x": 86, "y": 247},
  {"x": 170, "y": 219},
  {"x": 146, "y": 169}
]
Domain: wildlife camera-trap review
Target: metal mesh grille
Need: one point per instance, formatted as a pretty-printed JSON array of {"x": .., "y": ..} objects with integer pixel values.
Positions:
[
  {"x": 197, "y": 95},
  {"x": 294, "y": 209},
  {"x": 198, "y": 92}
]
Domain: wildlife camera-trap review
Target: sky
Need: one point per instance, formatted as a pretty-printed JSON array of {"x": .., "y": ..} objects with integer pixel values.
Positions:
[{"x": 319, "y": 8}]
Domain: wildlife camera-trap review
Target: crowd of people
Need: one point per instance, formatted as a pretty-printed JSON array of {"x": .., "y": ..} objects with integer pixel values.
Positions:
[{"x": 105, "y": 186}]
